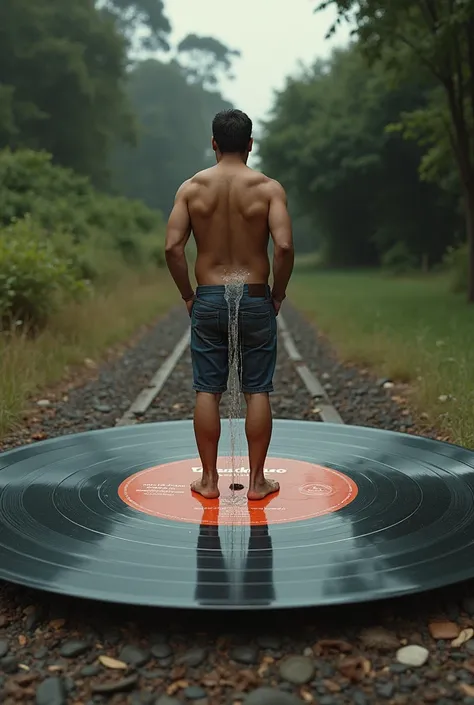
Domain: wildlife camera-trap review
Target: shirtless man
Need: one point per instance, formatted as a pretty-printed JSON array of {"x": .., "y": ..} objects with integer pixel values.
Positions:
[{"x": 232, "y": 210}]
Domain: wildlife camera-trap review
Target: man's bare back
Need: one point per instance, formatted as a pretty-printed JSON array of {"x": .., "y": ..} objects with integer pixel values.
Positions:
[
  {"x": 229, "y": 206},
  {"x": 232, "y": 211}
]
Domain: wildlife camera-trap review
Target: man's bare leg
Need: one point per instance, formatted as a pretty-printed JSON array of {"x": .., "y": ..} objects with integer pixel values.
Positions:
[
  {"x": 207, "y": 429},
  {"x": 258, "y": 429}
]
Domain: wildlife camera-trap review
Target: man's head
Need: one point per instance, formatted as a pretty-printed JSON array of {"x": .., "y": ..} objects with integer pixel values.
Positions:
[{"x": 232, "y": 134}]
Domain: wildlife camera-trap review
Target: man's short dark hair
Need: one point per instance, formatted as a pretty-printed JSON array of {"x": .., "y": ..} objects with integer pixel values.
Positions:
[{"x": 232, "y": 131}]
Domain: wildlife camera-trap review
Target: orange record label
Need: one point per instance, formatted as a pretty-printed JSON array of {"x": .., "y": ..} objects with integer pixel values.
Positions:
[{"x": 306, "y": 491}]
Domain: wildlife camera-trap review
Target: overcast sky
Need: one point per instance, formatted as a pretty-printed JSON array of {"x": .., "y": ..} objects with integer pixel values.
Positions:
[{"x": 273, "y": 36}]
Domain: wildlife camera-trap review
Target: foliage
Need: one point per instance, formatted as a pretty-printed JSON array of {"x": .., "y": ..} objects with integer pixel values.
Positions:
[
  {"x": 205, "y": 58},
  {"x": 174, "y": 135},
  {"x": 457, "y": 263},
  {"x": 59, "y": 231},
  {"x": 62, "y": 67},
  {"x": 327, "y": 141},
  {"x": 34, "y": 279},
  {"x": 144, "y": 17},
  {"x": 398, "y": 259},
  {"x": 410, "y": 329},
  {"x": 59, "y": 199},
  {"x": 440, "y": 36}
]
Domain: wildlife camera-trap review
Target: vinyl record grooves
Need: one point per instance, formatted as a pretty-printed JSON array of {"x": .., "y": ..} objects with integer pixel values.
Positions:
[{"x": 362, "y": 515}]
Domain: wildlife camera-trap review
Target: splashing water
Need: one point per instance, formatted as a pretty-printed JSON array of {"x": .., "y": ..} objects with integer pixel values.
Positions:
[{"x": 234, "y": 289}]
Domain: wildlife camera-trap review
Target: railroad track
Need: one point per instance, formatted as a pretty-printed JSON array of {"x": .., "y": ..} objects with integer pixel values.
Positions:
[{"x": 315, "y": 389}]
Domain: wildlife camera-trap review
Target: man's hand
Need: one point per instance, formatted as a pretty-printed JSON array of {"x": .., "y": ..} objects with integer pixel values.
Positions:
[
  {"x": 276, "y": 306},
  {"x": 189, "y": 305}
]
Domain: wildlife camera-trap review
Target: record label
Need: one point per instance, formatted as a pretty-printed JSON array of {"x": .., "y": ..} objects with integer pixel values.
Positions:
[{"x": 306, "y": 491}]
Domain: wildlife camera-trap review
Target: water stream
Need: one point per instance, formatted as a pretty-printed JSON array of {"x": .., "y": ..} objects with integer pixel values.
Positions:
[{"x": 234, "y": 289}]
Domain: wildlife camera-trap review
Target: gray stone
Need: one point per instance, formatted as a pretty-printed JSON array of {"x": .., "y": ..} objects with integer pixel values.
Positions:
[
  {"x": 120, "y": 686},
  {"x": 90, "y": 670},
  {"x": 271, "y": 696},
  {"x": 297, "y": 669},
  {"x": 9, "y": 664},
  {"x": 386, "y": 690},
  {"x": 32, "y": 619},
  {"x": 359, "y": 698},
  {"x": 69, "y": 684},
  {"x": 161, "y": 650},
  {"x": 469, "y": 646},
  {"x": 153, "y": 674},
  {"x": 327, "y": 700},
  {"x": 103, "y": 408},
  {"x": 41, "y": 653},
  {"x": 4, "y": 646},
  {"x": 142, "y": 699},
  {"x": 412, "y": 681},
  {"x": 464, "y": 675},
  {"x": 245, "y": 654},
  {"x": 134, "y": 656},
  {"x": 51, "y": 692},
  {"x": 327, "y": 671},
  {"x": 194, "y": 692},
  {"x": 269, "y": 641},
  {"x": 73, "y": 648},
  {"x": 166, "y": 700},
  {"x": 192, "y": 658}
]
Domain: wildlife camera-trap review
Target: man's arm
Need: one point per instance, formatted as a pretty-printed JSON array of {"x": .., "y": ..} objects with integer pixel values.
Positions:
[
  {"x": 177, "y": 235},
  {"x": 279, "y": 224}
]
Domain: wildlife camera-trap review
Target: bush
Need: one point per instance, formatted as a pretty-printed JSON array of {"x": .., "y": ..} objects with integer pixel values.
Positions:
[
  {"x": 398, "y": 259},
  {"x": 70, "y": 230},
  {"x": 34, "y": 279},
  {"x": 60, "y": 200},
  {"x": 456, "y": 261}
]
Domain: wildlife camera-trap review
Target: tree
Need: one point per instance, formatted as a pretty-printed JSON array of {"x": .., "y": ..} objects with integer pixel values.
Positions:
[
  {"x": 205, "y": 58},
  {"x": 141, "y": 21},
  {"x": 174, "y": 133},
  {"x": 440, "y": 35},
  {"x": 62, "y": 67},
  {"x": 327, "y": 142}
]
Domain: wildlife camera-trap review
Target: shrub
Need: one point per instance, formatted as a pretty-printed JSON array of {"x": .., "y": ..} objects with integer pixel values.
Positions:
[
  {"x": 34, "y": 279},
  {"x": 60, "y": 200},
  {"x": 398, "y": 259},
  {"x": 456, "y": 261}
]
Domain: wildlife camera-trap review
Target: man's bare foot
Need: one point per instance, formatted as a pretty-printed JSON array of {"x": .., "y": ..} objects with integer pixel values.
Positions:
[
  {"x": 206, "y": 487},
  {"x": 261, "y": 489}
]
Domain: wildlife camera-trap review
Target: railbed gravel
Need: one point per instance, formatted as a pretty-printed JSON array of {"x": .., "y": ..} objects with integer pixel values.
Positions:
[{"x": 50, "y": 645}]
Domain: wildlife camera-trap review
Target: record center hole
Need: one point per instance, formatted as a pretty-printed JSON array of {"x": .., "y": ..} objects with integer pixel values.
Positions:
[{"x": 236, "y": 486}]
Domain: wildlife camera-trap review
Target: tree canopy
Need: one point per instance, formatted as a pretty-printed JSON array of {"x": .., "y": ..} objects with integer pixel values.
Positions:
[
  {"x": 174, "y": 105},
  {"x": 437, "y": 35},
  {"x": 327, "y": 141},
  {"x": 61, "y": 73},
  {"x": 71, "y": 85}
]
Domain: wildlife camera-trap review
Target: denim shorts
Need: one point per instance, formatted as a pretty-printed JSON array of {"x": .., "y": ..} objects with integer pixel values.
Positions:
[{"x": 209, "y": 341}]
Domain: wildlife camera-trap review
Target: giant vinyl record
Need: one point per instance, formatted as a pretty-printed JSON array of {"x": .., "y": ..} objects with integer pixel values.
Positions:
[{"x": 361, "y": 515}]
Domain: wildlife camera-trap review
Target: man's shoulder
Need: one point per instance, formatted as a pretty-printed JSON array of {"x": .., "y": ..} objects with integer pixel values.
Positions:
[
  {"x": 198, "y": 179},
  {"x": 273, "y": 188},
  {"x": 201, "y": 177},
  {"x": 260, "y": 179}
]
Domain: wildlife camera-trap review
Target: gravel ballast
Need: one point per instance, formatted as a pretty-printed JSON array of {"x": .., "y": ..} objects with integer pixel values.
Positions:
[{"x": 59, "y": 651}]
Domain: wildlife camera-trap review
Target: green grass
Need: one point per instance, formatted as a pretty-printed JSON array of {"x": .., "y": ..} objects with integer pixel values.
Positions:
[
  {"x": 85, "y": 330},
  {"x": 411, "y": 330}
]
